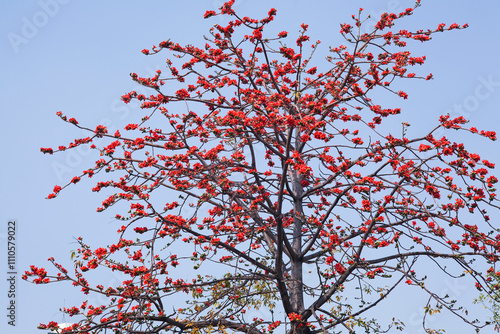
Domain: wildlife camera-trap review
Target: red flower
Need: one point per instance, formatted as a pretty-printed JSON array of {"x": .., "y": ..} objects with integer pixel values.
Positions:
[
  {"x": 357, "y": 141},
  {"x": 257, "y": 34},
  {"x": 47, "y": 150},
  {"x": 100, "y": 129},
  {"x": 131, "y": 127},
  {"x": 182, "y": 94},
  {"x": 345, "y": 28},
  {"x": 339, "y": 268},
  {"x": 423, "y": 148},
  {"x": 209, "y": 13},
  {"x": 294, "y": 316}
]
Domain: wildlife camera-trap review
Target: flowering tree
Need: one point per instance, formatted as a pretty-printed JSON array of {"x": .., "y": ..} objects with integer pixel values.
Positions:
[{"x": 272, "y": 184}]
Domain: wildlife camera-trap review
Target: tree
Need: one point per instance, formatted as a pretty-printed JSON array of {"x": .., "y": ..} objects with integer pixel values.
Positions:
[{"x": 292, "y": 196}]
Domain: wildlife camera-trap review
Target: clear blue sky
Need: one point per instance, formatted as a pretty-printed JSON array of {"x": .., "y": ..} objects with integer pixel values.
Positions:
[{"x": 76, "y": 56}]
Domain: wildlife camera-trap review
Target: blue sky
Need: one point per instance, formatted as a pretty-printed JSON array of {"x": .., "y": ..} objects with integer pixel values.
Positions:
[{"x": 76, "y": 57}]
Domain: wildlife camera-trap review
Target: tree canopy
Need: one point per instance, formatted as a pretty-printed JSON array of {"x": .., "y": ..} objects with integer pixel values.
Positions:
[{"x": 260, "y": 177}]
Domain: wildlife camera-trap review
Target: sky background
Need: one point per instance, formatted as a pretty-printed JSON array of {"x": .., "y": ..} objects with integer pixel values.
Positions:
[{"x": 76, "y": 56}]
